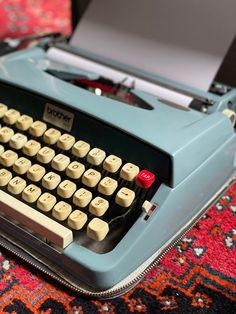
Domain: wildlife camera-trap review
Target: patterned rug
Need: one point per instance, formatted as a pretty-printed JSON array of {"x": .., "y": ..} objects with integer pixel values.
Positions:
[
  {"x": 24, "y": 17},
  {"x": 197, "y": 276}
]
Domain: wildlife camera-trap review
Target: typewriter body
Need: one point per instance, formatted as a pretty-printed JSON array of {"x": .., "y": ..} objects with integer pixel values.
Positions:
[{"x": 97, "y": 188}]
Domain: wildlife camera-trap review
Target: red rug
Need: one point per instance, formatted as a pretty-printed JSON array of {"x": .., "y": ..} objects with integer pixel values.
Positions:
[
  {"x": 197, "y": 276},
  {"x": 24, "y": 17}
]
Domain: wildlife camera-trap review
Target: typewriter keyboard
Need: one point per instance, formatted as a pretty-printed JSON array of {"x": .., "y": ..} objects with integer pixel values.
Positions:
[{"x": 60, "y": 187}]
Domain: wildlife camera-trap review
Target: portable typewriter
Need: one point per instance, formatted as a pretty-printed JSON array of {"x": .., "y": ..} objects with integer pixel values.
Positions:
[{"x": 98, "y": 179}]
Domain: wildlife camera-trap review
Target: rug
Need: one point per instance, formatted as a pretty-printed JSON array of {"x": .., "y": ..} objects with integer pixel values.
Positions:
[
  {"x": 23, "y": 17},
  {"x": 198, "y": 275}
]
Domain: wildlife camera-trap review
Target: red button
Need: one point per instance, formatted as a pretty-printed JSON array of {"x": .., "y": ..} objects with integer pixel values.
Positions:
[{"x": 145, "y": 179}]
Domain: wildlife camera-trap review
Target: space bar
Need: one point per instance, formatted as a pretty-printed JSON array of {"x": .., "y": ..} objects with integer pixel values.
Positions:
[{"x": 36, "y": 221}]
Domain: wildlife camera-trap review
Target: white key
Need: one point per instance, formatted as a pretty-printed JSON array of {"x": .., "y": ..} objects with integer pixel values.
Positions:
[
  {"x": 96, "y": 156},
  {"x": 31, "y": 193},
  {"x": 24, "y": 122},
  {"x": 66, "y": 141},
  {"x": 91, "y": 177},
  {"x": 46, "y": 202},
  {"x": 8, "y": 158},
  {"x": 45, "y": 154},
  {"x": 97, "y": 229},
  {"x": 3, "y": 109},
  {"x": 77, "y": 219},
  {"x": 18, "y": 140},
  {"x": 16, "y": 185},
  {"x": 31, "y": 148},
  {"x": 5, "y": 177},
  {"x": 129, "y": 172},
  {"x": 66, "y": 189},
  {"x": 125, "y": 197},
  {"x": 107, "y": 186},
  {"x": 36, "y": 172},
  {"x": 37, "y": 128},
  {"x": 6, "y": 134},
  {"x": 98, "y": 206},
  {"x": 75, "y": 170},
  {"x": 61, "y": 211},
  {"x": 22, "y": 165},
  {"x": 51, "y": 180},
  {"x": 82, "y": 197},
  {"x": 60, "y": 162},
  {"x": 51, "y": 136},
  {"x": 80, "y": 149},
  {"x": 112, "y": 163},
  {"x": 11, "y": 116},
  {"x": 1, "y": 149}
]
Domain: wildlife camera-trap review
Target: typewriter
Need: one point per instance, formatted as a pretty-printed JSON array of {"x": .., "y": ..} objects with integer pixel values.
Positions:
[{"x": 99, "y": 179}]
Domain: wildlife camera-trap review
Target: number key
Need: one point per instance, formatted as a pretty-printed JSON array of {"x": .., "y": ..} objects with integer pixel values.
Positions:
[
  {"x": 3, "y": 109},
  {"x": 6, "y": 134},
  {"x": 24, "y": 122},
  {"x": 66, "y": 141},
  {"x": 11, "y": 116},
  {"x": 96, "y": 156},
  {"x": 80, "y": 149},
  {"x": 51, "y": 136},
  {"x": 37, "y": 128}
]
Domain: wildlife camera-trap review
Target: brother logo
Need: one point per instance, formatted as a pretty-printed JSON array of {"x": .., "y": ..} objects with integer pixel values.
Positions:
[
  {"x": 58, "y": 117},
  {"x": 58, "y": 114}
]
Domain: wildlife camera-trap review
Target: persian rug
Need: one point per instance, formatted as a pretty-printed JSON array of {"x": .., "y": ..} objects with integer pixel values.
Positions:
[
  {"x": 198, "y": 275},
  {"x": 23, "y": 17}
]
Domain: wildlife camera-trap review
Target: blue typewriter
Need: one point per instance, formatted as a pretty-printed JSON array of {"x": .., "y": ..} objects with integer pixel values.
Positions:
[{"x": 99, "y": 179}]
